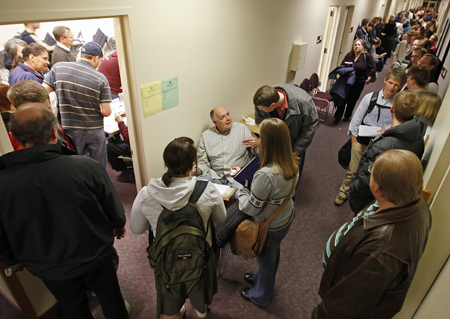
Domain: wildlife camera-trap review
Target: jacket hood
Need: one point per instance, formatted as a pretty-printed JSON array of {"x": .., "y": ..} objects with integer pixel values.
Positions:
[
  {"x": 412, "y": 130},
  {"x": 174, "y": 197}
]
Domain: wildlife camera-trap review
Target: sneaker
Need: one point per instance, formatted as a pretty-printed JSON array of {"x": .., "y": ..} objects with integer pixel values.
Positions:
[
  {"x": 202, "y": 315},
  {"x": 128, "y": 307},
  {"x": 125, "y": 178},
  {"x": 182, "y": 314},
  {"x": 339, "y": 200},
  {"x": 248, "y": 278}
]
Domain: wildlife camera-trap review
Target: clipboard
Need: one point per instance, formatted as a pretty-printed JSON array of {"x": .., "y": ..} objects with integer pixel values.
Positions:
[{"x": 247, "y": 172}]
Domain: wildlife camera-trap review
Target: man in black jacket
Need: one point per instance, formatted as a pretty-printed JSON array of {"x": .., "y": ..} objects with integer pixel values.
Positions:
[
  {"x": 371, "y": 260},
  {"x": 406, "y": 133},
  {"x": 60, "y": 217}
]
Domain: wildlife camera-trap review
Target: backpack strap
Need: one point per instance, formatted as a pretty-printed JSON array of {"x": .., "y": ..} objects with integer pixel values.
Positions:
[
  {"x": 23, "y": 34},
  {"x": 373, "y": 103},
  {"x": 199, "y": 188}
]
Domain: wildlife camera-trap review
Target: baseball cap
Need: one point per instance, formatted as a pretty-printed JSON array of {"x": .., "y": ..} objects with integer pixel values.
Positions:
[{"x": 92, "y": 48}]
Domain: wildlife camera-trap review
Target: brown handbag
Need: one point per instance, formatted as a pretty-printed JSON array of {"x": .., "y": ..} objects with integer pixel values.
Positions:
[{"x": 250, "y": 237}]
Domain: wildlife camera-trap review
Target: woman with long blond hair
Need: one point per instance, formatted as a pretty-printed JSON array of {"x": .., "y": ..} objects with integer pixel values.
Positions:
[
  {"x": 430, "y": 103},
  {"x": 271, "y": 185}
]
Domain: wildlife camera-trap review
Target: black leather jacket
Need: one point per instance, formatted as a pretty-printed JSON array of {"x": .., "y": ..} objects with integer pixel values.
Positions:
[{"x": 371, "y": 269}]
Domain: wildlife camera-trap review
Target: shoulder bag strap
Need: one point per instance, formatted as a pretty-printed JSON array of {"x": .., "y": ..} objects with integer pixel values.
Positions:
[{"x": 279, "y": 209}]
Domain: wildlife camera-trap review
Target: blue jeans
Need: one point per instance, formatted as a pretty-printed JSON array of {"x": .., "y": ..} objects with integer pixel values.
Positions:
[
  {"x": 223, "y": 181},
  {"x": 91, "y": 142},
  {"x": 268, "y": 260}
]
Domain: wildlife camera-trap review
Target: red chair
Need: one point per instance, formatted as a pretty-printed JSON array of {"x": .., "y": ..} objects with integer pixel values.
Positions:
[
  {"x": 321, "y": 100},
  {"x": 306, "y": 85},
  {"x": 314, "y": 79}
]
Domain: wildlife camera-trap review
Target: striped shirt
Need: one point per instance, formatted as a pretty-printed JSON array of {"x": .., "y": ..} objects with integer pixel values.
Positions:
[
  {"x": 80, "y": 89},
  {"x": 341, "y": 232}
]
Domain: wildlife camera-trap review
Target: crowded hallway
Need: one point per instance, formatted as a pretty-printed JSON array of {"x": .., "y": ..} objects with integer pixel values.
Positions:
[
  {"x": 301, "y": 266},
  {"x": 318, "y": 212}
]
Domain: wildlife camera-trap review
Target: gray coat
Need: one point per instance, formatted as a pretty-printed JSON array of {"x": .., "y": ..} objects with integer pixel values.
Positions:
[{"x": 301, "y": 116}]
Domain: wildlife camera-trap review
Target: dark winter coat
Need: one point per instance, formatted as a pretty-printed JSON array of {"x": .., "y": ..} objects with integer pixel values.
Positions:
[{"x": 406, "y": 136}]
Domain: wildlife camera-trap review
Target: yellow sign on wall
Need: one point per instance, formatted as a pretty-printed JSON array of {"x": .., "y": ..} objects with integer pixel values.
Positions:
[
  {"x": 159, "y": 95},
  {"x": 151, "y": 98}
]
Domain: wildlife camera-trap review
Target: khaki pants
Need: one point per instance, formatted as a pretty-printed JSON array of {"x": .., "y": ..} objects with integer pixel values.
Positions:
[{"x": 357, "y": 152}]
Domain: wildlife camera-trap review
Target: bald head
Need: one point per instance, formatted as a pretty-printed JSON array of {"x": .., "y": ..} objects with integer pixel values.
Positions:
[
  {"x": 221, "y": 119},
  {"x": 34, "y": 124}
]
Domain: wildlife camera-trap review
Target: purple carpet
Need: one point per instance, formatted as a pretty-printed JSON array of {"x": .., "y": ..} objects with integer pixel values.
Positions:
[{"x": 300, "y": 267}]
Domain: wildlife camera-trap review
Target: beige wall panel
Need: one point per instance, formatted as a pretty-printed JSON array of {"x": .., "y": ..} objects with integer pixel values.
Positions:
[
  {"x": 435, "y": 255},
  {"x": 435, "y": 304}
]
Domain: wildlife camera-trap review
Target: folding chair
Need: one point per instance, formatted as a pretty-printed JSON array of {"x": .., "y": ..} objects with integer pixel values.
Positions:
[{"x": 321, "y": 100}]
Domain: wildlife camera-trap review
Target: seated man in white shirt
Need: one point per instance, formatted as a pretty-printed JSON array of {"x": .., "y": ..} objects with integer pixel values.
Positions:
[{"x": 224, "y": 146}]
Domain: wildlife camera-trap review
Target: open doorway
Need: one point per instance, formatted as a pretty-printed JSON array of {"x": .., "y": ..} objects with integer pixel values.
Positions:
[
  {"x": 328, "y": 46},
  {"x": 347, "y": 34},
  {"x": 116, "y": 31}
]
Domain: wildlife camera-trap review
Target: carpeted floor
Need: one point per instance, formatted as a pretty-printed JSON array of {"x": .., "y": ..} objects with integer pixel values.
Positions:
[{"x": 300, "y": 268}]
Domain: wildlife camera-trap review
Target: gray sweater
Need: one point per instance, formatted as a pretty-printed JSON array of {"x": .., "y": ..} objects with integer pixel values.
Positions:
[
  {"x": 218, "y": 152},
  {"x": 269, "y": 189}
]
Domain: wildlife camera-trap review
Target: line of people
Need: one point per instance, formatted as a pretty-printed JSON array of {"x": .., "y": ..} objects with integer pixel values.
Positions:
[
  {"x": 373, "y": 45},
  {"x": 87, "y": 213}
]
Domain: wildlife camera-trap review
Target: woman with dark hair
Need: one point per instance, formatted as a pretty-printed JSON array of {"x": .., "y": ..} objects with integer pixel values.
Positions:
[
  {"x": 172, "y": 191},
  {"x": 35, "y": 62},
  {"x": 272, "y": 184},
  {"x": 365, "y": 70},
  {"x": 6, "y": 109},
  {"x": 421, "y": 30}
]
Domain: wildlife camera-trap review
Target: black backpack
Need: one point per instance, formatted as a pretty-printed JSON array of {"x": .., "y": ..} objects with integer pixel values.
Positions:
[
  {"x": 24, "y": 35},
  {"x": 180, "y": 252}
]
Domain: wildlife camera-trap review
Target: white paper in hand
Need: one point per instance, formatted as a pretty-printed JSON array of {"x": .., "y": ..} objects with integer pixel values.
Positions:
[{"x": 369, "y": 131}]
